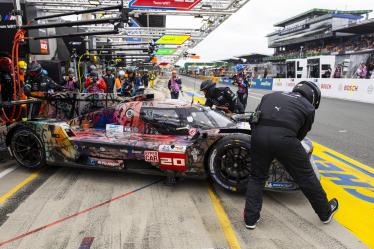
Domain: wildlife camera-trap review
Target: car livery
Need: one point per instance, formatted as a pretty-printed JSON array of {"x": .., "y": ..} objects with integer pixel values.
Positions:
[{"x": 170, "y": 137}]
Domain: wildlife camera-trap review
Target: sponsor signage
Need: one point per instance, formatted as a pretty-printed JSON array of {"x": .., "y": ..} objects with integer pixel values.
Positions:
[
  {"x": 173, "y": 39},
  {"x": 44, "y": 47},
  {"x": 266, "y": 84},
  {"x": 164, "y": 4},
  {"x": 293, "y": 29},
  {"x": 166, "y": 51},
  {"x": 349, "y": 89}
]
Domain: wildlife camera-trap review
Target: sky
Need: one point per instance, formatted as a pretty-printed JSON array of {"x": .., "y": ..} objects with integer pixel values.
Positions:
[{"x": 245, "y": 31}]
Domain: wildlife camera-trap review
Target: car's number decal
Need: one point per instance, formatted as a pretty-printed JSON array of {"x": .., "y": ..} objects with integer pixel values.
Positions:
[{"x": 173, "y": 161}]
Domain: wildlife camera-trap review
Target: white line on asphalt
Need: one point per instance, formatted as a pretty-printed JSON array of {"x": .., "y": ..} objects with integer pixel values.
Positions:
[{"x": 8, "y": 170}]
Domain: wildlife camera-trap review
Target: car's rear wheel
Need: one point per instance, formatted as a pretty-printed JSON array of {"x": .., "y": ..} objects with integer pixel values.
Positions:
[
  {"x": 27, "y": 148},
  {"x": 230, "y": 162}
]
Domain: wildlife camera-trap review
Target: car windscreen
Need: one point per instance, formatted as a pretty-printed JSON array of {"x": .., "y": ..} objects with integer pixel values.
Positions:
[{"x": 206, "y": 118}]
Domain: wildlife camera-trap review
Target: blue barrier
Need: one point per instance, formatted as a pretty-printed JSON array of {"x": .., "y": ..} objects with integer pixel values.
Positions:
[
  {"x": 226, "y": 81},
  {"x": 265, "y": 84}
]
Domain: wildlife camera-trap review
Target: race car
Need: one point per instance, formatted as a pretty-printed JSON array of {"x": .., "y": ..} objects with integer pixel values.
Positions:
[{"x": 170, "y": 137}]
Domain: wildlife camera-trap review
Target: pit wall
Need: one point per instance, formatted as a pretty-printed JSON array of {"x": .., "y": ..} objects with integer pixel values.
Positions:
[{"x": 360, "y": 90}]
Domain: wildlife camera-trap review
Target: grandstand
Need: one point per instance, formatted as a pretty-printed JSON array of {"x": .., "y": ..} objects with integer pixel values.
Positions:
[{"x": 320, "y": 42}]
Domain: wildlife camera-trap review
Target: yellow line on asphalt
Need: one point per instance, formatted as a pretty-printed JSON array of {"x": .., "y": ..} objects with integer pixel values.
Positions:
[
  {"x": 223, "y": 220},
  {"x": 353, "y": 188},
  {"x": 11, "y": 192}
]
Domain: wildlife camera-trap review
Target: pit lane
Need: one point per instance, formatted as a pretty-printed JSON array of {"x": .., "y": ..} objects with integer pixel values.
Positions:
[{"x": 184, "y": 216}]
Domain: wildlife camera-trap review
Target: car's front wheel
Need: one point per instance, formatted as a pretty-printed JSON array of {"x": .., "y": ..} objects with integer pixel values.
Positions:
[
  {"x": 28, "y": 149},
  {"x": 230, "y": 162}
]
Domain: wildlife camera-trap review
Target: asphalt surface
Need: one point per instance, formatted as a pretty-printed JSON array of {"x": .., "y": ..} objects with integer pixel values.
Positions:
[
  {"x": 344, "y": 126},
  {"x": 68, "y": 208}
]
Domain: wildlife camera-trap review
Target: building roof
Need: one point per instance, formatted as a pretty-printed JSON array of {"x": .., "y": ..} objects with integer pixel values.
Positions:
[
  {"x": 320, "y": 12},
  {"x": 365, "y": 27}
]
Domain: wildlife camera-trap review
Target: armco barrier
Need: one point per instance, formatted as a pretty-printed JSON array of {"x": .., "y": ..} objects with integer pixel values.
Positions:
[{"x": 347, "y": 89}]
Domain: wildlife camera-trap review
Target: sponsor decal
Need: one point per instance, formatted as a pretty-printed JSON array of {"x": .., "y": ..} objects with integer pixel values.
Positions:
[
  {"x": 280, "y": 185},
  {"x": 110, "y": 163},
  {"x": 265, "y": 83},
  {"x": 114, "y": 128},
  {"x": 131, "y": 129},
  {"x": 195, "y": 154},
  {"x": 130, "y": 113},
  {"x": 279, "y": 83},
  {"x": 172, "y": 148},
  {"x": 173, "y": 161},
  {"x": 291, "y": 84},
  {"x": 192, "y": 132},
  {"x": 370, "y": 89},
  {"x": 151, "y": 156},
  {"x": 351, "y": 88},
  {"x": 325, "y": 86}
]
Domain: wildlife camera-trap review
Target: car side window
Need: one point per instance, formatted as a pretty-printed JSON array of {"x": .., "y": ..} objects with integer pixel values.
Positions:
[{"x": 164, "y": 120}]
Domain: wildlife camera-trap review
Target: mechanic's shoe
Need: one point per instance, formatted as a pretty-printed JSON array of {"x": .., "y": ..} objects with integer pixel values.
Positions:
[
  {"x": 251, "y": 226},
  {"x": 334, "y": 206}
]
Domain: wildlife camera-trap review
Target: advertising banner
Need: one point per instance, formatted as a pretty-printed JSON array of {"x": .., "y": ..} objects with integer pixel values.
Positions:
[
  {"x": 361, "y": 90},
  {"x": 44, "y": 47},
  {"x": 166, "y": 51},
  {"x": 164, "y": 4},
  {"x": 173, "y": 39},
  {"x": 265, "y": 84}
]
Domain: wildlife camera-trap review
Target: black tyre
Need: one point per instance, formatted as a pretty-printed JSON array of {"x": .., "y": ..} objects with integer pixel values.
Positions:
[
  {"x": 27, "y": 148},
  {"x": 230, "y": 162}
]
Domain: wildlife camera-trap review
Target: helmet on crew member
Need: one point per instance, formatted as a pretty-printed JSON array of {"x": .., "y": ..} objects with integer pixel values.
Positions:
[
  {"x": 22, "y": 65},
  {"x": 121, "y": 73},
  {"x": 35, "y": 70},
  {"x": 5, "y": 65},
  {"x": 109, "y": 68},
  {"x": 94, "y": 74},
  {"x": 92, "y": 68},
  {"x": 310, "y": 91},
  {"x": 239, "y": 67},
  {"x": 205, "y": 85}
]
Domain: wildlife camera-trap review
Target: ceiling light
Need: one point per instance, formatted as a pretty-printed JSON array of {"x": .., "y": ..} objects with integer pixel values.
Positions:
[{"x": 94, "y": 2}]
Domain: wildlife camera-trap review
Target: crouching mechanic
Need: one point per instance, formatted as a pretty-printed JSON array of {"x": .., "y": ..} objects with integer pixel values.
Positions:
[
  {"x": 221, "y": 98},
  {"x": 281, "y": 122}
]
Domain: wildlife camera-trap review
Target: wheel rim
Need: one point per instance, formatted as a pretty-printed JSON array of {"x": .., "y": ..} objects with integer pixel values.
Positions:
[
  {"x": 235, "y": 164},
  {"x": 27, "y": 149}
]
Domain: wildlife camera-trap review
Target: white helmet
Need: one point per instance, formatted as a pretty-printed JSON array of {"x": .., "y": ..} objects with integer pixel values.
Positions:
[{"x": 121, "y": 73}]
